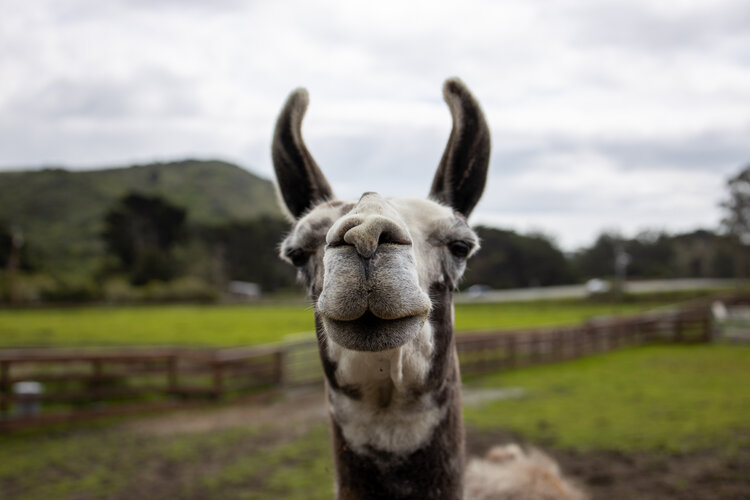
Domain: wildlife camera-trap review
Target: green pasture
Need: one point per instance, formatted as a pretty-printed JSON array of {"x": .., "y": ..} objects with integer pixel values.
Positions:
[
  {"x": 104, "y": 463},
  {"x": 673, "y": 398},
  {"x": 255, "y": 324},
  {"x": 661, "y": 399}
]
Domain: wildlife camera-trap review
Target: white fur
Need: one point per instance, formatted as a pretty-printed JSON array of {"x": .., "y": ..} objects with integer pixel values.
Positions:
[
  {"x": 388, "y": 416},
  {"x": 406, "y": 422},
  {"x": 510, "y": 473},
  {"x": 432, "y": 225}
]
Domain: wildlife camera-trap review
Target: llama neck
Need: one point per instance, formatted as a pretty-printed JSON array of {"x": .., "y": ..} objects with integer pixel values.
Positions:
[{"x": 396, "y": 415}]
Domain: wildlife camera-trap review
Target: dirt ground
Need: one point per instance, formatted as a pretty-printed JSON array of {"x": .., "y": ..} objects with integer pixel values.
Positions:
[
  {"x": 283, "y": 411},
  {"x": 615, "y": 475},
  {"x": 608, "y": 475}
]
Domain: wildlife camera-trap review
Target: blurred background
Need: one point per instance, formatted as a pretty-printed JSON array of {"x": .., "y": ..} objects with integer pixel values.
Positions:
[
  {"x": 614, "y": 124},
  {"x": 137, "y": 210}
]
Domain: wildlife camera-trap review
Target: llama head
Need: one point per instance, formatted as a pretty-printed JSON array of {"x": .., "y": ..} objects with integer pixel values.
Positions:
[{"x": 370, "y": 264}]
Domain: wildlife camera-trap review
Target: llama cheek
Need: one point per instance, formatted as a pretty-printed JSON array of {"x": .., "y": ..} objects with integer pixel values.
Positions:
[
  {"x": 429, "y": 270},
  {"x": 395, "y": 286},
  {"x": 344, "y": 293},
  {"x": 416, "y": 358}
]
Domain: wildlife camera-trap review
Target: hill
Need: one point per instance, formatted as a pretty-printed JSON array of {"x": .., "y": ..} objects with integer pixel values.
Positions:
[{"x": 60, "y": 212}]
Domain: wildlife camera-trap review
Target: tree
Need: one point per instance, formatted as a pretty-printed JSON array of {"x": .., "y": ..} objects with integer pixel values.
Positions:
[
  {"x": 511, "y": 260},
  {"x": 736, "y": 221},
  {"x": 599, "y": 259},
  {"x": 12, "y": 240},
  {"x": 247, "y": 251},
  {"x": 141, "y": 231}
]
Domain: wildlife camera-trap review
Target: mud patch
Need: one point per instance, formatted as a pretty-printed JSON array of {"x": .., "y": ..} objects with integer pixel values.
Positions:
[
  {"x": 476, "y": 397},
  {"x": 614, "y": 475},
  {"x": 285, "y": 410}
]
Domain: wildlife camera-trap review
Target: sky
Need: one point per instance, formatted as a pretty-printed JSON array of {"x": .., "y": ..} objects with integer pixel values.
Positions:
[{"x": 605, "y": 115}]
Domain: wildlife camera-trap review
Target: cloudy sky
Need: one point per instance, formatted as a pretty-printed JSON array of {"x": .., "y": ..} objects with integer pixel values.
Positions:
[{"x": 623, "y": 115}]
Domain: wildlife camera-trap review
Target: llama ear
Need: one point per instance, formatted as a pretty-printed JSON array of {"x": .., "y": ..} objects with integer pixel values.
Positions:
[
  {"x": 461, "y": 175},
  {"x": 301, "y": 182}
]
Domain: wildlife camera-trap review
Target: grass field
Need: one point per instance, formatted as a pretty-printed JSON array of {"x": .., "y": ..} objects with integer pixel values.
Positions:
[
  {"x": 241, "y": 325},
  {"x": 674, "y": 398},
  {"x": 665, "y": 400}
]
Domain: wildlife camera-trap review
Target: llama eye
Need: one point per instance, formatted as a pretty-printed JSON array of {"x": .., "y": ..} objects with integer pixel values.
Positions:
[
  {"x": 459, "y": 249},
  {"x": 298, "y": 257}
]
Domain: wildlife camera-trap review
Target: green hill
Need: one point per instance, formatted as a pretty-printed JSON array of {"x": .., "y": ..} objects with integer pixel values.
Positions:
[{"x": 60, "y": 212}]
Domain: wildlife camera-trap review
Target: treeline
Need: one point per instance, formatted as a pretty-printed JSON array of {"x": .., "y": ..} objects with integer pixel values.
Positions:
[
  {"x": 149, "y": 239},
  {"x": 511, "y": 260},
  {"x": 152, "y": 252},
  {"x": 155, "y": 252}
]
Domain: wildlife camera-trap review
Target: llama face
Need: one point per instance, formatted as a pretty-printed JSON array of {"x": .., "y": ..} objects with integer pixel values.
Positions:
[{"x": 369, "y": 265}]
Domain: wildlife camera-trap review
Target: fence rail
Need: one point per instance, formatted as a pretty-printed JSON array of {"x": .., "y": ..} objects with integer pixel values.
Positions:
[{"x": 79, "y": 383}]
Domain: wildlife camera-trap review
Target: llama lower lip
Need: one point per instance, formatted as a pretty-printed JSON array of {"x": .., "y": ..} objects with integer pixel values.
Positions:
[{"x": 370, "y": 333}]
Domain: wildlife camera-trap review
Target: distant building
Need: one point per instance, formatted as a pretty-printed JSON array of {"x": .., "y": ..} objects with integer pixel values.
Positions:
[{"x": 245, "y": 289}]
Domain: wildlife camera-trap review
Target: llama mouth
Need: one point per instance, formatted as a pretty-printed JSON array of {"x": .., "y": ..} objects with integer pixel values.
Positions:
[{"x": 370, "y": 333}]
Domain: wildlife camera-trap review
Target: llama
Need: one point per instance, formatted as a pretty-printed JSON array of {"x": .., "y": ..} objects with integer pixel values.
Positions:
[{"x": 381, "y": 273}]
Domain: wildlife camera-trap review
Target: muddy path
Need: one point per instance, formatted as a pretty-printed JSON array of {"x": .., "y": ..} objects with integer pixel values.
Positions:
[
  {"x": 710, "y": 474},
  {"x": 610, "y": 475},
  {"x": 191, "y": 454}
]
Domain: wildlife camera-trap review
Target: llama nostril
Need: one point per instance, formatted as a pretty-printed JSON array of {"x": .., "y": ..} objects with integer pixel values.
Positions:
[
  {"x": 364, "y": 243},
  {"x": 394, "y": 237},
  {"x": 337, "y": 234},
  {"x": 366, "y": 234}
]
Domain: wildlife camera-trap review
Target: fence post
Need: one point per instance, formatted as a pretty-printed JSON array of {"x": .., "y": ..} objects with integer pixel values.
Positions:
[
  {"x": 619, "y": 335},
  {"x": 4, "y": 389},
  {"x": 606, "y": 337},
  {"x": 708, "y": 327},
  {"x": 511, "y": 350},
  {"x": 598, "y": 338},
  {"x": 650, "y": 333},
  {"x": 488, "y": 358},
  {"x": 98, "y": 372},
  {"x": 677, "y": 328},
  {"x": 280, "y": 366},
  {"x": 557, "y": 347},
  {"x": 638, "y": 333},
  {"x": 172, "y": 374},
  {"x": 218, "y": 379}
]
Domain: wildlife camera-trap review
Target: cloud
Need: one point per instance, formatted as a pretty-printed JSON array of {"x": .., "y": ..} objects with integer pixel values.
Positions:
[
  {"x": 683, "y": 26},
  {"x": 622, "y": 114},
  {"x": 156, "y": 95}
]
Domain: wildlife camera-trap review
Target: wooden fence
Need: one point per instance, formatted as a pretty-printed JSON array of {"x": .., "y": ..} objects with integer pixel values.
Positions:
[
  {"x": 83, "y": 383},
  {"x": 482, "y": 352}
]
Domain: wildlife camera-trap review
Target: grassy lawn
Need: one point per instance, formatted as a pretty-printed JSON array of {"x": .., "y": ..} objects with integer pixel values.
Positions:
[
  {"x": 234, "y": 463},
  {"x": 662, "y": 399},
  {"x": 181, "y": 324},
  {"x": 240, "y": 325},
  {"x": 672, "y": 398}
]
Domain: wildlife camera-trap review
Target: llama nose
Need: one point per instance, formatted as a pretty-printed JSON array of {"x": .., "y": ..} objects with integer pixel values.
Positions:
[{"x": 369, "y": 233}]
